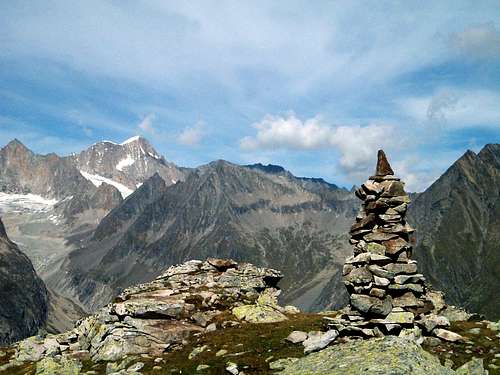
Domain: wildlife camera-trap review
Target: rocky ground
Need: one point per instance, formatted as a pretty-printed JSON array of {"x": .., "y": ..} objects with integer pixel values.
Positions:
[{"x": 221, "y": 317}]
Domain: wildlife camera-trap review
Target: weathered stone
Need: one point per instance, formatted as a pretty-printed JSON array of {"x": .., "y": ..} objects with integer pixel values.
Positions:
[
  {"x": 379, "y": 259},
  {"x": 383, "y": 166},
  {"x": 371, "y": 305},
  {"x": 372, "y": 187},
  {"x": 64, "y": 365},
  {"x": 473, "y": 367},
  {"x": 258, "y": 314},
  {"x": 347, "y": 269},
  {"x": 447, "y": 335},
  {"x": 401, "y": 279},
  {"x": 389, "y": 355},
  {"x": 400, "y": 317},
  {"x": 375, "y": 248},
  {"x": 296, "y": 337},
  {"x": 431, "y": 321},
  {"x": 378, "y": 236},
  {"x": 395, "y": 245},
  {"x": 319, "y": 340},
  {"x": 406, "y": 300},
  {"x": 360, "y": 275},
  {"x": 390, "y": 218},
  {"x": 366, "y": 222},
  {"x": 417, "y": 288},
  {"x": 360, "y": 258},
  {"x": 376, "y": 292},
  {"x": 381, "y": 272},
  {"x": 397, "y": 201},
  {"x": 397, "y": 268},
  {"x": 392, "y": 189},
  {"x": 222, "y": 264},
  {"x": 381, "y": 281}
]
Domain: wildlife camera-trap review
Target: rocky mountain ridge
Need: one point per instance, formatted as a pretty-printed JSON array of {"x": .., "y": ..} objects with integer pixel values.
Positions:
[
  {"x": 24, "y": 305},
  {"x": 458, "y": 219},
  {"x": 221, "y": 210},
  {"x": 126, "y": 165}
]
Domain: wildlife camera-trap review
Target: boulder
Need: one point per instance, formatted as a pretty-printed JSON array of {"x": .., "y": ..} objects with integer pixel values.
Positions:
[
  {"x": 297, "y": 337},
  {"x": 389, "y": 355},
  {"x": 318, "y": 340}
]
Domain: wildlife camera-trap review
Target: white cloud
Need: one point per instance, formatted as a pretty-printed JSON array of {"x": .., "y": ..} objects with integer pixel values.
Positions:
[
  {"x": 478, "y": 41},
  {"x": 455, "y": 108},
  {"x": 356, "y": 144},
  {"x": 192, "y": 135},
  {"x": 146, "y": 124}
]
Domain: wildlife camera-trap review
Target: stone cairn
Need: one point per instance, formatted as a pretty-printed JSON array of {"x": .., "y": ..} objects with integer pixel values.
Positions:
[{"x": 387, "y": 294}]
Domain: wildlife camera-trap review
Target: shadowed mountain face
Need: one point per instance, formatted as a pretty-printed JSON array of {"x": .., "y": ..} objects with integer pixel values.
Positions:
[
  {"x": 458, "y": 223},
  {"x": 23, "y": 296},
  {"x": 222, "y": 210}
]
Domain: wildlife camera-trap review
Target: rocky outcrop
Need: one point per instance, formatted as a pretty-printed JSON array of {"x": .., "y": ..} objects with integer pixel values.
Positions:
[
  {"x": 390, "y": 355},
  {"x": 160, "y": 315},
  {"x": 23, "y": 296},
  {"x": 387, "y": 294}
]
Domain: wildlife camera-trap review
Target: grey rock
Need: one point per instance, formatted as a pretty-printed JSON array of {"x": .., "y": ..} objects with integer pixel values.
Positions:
[
  {"x": 318, "y": 340},
  {"x": 297, "y": 337}
]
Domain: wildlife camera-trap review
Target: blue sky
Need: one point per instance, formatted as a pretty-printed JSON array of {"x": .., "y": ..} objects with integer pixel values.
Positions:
[{"x": 316, "y": 87}]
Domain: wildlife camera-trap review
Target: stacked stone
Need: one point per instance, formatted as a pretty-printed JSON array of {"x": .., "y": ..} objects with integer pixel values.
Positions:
[{"x": 387, "y": 294}]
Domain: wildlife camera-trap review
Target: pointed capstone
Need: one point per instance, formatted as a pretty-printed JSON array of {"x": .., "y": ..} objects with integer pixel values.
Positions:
[{"x": 383, "y": 166}]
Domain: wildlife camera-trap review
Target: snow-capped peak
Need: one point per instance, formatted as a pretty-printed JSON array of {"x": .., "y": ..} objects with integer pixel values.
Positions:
[{"x": 130, "y": 140}]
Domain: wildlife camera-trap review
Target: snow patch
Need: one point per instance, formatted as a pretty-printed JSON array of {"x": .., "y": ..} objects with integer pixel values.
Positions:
[
  {"x": 98, "y": 180},
  {"x": 133, "y": 139},
  {"x": 25, "y": 202},
  {"x": 128, "y": 161}
]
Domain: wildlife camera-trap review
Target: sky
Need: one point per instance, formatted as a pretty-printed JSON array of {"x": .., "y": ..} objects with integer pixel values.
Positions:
[{"x": 317, "y": 87}]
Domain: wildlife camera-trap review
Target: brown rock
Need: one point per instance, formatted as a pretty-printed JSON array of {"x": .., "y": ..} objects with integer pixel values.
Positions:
[
  {"x": 395, "y": 245},
  {"x": 383, "y": 166},
  {"x": 376, "y": 292},
  {"x": 366, "y": 222},
  {"x": 222, "y": 264}
]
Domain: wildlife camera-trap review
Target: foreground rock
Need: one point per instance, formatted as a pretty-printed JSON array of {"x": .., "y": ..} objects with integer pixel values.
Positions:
[
  {"x": 390, "y": 355},
  {"x": 155, "y": 317}
]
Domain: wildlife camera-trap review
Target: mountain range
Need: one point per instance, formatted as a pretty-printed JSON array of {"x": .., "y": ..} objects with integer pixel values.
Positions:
[{"x": 115, "y": 215}]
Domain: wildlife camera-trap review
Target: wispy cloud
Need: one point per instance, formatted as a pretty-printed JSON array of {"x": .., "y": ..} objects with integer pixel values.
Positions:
[
  {"x": 477, "y": 41},
  {"x": 192, "y": 135},
  {"x": 146, "y": 125},
  {"x": 455, "y": 108}
]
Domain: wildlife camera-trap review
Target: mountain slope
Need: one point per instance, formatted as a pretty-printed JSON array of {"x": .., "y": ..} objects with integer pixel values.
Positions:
[
  {"x": 458, "y": 231},
  {"x": 126, "y": 165},
  {"x": 220, "y": 210},
  {"x": 23, "y": 294}
]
